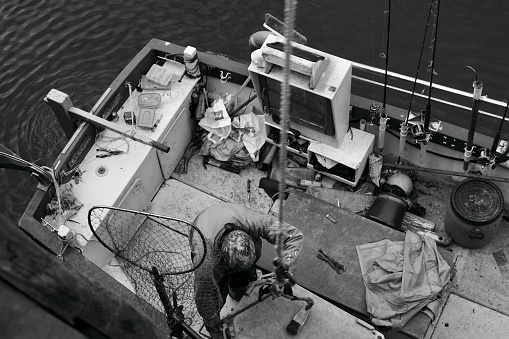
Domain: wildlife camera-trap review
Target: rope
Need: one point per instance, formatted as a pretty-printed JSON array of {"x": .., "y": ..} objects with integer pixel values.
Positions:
[
  {"x": 59, "y": 199},
  {"x": 290, "y": 9}
]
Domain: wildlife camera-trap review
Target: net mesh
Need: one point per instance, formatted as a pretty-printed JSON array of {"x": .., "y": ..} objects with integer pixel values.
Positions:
[
  {"x": 142, "y": 241},
  {"x": 208, "y": 296}
]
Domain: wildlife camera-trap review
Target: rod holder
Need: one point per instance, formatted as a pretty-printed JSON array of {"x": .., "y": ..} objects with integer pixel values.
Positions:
[
  {"x": 381, "y": 134},
  {"x": 466, "y": 157},
  {"x": 403, "y": 131},
  {"x": 478, "y": 86}
]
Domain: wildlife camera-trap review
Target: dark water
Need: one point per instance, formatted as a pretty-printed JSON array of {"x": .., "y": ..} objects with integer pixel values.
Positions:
[{"x": 79, "y": 46}]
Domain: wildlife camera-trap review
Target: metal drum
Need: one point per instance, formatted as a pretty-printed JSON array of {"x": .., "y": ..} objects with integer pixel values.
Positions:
[
  {"x": 387, "y": 209},
  {"x": 474, "y": 212}
]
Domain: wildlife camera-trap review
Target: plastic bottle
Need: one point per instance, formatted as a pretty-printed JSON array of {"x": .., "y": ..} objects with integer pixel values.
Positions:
[
  {"x": 301, "y": 173},
  {"x": 192, "y": 62},
  {"x": 200, "y": 109}
]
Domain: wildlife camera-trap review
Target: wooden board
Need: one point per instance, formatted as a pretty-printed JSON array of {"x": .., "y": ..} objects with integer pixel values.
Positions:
[
  {"x": 359, "y": 203},
  {"x": 270, "y": 318},
  {"x": 355, "y": 202},
  {"x": 24, "y": 318},
  {"x": 462, "y": 318},
  {"x": 67, "y": 293},
  {"x": 339, "y": 241}
]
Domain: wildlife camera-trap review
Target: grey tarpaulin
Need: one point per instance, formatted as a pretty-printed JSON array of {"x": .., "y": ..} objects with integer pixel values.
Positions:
[{"x": 401, "y": 277}]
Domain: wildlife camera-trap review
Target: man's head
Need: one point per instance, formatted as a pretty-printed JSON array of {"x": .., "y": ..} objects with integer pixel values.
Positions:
[{"x": 238, "y": 250}]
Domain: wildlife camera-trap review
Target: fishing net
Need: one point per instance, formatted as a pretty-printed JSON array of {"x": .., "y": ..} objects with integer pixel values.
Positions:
[
  {"x": 208, "y": 296},
  {"x": 159, "y": 255}
]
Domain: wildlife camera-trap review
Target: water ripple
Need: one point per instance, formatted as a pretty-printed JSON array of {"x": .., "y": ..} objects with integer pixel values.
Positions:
[{"x": 79, "y": 46}]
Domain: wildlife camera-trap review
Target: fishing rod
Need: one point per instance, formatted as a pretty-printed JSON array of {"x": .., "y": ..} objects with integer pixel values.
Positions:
[
  {"x": 428, "y": 105},
  {"x": 404, "y": 125},
  {"x": 496, "y": 140},
  {"x": 10, "y": 160},
  {"x": 419, "y": 63},
  {"x": 478, "y": 86},
  {"x": 383, "y": 116},
  {"x": 427, "y": 115}
]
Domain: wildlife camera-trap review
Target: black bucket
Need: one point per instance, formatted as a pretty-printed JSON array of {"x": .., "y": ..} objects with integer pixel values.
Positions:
[
  {"x": 474, "y": 212},
  {"x": 387, "y": 209}
]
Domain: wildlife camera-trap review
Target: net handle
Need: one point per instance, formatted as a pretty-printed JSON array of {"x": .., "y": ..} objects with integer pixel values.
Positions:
[{"x": 170, "y": 312}]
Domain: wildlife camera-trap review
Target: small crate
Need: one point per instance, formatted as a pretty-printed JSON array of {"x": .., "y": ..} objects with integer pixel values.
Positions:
[
  {"x": 350, "y": 158},
  {"x": 149, "y": 100},
  {"x": 146, "y": 117}
]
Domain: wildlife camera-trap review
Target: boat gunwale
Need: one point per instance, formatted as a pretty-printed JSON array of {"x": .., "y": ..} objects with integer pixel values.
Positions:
[
  {"x": 379, "y": 71},
  {"x": 213, "y": 66},
  {"x": 30, "y": 220}
]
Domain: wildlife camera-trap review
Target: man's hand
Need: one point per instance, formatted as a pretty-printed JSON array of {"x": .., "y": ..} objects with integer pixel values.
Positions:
[
  {"x": 276, "y": 288},
  {"x": 214, "y": 327},
  {"x": 216, "y": 335},
  {"x": 220, "y": 335}
]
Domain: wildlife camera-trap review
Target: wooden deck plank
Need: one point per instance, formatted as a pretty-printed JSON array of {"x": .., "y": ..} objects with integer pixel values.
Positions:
[
  {"x": 463, "y": 318},
  {"x": 68, "y": 293},
  {"x": 24, "y": 318},
  {"x": 270, "y": 318},
  {"x": 338, "y": 240}
]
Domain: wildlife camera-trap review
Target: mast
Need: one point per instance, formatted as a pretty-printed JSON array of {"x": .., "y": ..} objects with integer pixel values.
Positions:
[{"x": 383, "y": 115}]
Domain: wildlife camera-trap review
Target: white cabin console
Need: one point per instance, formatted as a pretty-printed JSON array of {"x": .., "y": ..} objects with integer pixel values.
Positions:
[
  {"x": 132, "y": 178},
  {"x": 319, "y": 106}
]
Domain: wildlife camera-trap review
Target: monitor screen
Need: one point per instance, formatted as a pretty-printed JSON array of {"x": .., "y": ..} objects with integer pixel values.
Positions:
[{"x": 306, "y": 108}]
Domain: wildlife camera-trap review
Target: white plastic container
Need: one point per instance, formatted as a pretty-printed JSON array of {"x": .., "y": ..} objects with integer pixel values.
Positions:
[{"x": 192, "y": 62}]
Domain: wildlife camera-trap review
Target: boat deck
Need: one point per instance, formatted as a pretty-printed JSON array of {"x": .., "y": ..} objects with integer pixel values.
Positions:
[
  {"x": 481, "y": 279},
  {"x": 480, "y": 285},
  {"x": 143, "y": 178}
]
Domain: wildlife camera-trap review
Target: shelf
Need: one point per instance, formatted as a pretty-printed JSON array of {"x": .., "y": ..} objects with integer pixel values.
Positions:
[
  {"x": 349, "y": 159},
  {"x": 290, "y": 149}
]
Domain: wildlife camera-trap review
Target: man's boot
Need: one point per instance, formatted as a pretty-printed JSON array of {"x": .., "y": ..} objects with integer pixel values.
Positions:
[{"x": 236, "y": 293}]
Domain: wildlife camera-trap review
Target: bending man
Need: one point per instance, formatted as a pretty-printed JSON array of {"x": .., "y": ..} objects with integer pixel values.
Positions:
[{"x": 234, "y": 236}]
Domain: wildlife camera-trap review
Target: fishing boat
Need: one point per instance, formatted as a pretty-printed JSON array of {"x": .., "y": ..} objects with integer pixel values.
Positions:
[{"x": 151, "y": 146}]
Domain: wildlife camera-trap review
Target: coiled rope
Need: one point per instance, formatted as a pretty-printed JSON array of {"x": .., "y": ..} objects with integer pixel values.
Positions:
[{"x": 290, "y": 13}]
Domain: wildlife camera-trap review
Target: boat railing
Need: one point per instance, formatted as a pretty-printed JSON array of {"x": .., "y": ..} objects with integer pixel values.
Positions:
[{"x": 358, "y": 67}]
